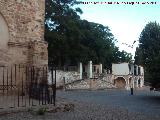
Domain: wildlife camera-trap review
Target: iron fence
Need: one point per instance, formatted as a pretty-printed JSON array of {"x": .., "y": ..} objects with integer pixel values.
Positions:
[{"x": 22, "y": 86}]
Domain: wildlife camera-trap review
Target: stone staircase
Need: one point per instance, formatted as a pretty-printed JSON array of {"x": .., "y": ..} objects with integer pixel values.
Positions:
[{"x": 99, "y": 82}]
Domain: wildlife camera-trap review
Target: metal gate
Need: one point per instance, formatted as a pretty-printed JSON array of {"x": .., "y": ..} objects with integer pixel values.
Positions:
[{"x": 24, "y": 86}]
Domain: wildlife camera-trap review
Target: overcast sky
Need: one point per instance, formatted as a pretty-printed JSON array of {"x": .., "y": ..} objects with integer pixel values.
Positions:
[{"x": 125, "y": 21}]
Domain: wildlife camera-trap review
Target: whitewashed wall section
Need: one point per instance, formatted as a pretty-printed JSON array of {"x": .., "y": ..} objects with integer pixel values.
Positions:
[{"x": 69, "y": 77}]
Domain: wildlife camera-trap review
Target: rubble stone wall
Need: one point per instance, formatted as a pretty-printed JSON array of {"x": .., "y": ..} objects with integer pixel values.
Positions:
[
  {"x": 69, "y": 76},
  {"x": 99, "y": 83},
  {"x": 25, "y": 41}
]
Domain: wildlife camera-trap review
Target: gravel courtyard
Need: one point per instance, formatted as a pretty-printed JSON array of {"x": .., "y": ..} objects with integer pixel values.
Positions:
[
  {"x": 102, "y": 105},
  {"x": 143, "y": 101}
]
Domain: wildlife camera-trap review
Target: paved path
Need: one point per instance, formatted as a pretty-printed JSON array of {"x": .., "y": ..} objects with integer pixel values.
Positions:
[{"x": 142, "y": 101}]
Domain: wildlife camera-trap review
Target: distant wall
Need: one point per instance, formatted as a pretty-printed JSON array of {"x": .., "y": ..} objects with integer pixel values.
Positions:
[
  {"x": 99, "y": 83},
  {"x": 120, "y": 69},
  {"x": 69, "y": 77}
]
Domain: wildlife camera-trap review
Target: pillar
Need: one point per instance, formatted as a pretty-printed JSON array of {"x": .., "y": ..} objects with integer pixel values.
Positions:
[
  {"x": 90, "y": 74},
  {"x": 132, "y": 69},
  {"x": 127, "y": 83},
  {"x": 101, "y": 69},
  {"x": 142, "y": 71},
  {"x": 132, "y": 79},
  {"x": 136, "y": 70},
  {"x": 141, "y": 82},
  {"x": 136, "y": 82},
  {"x": 80, "y": 70}
]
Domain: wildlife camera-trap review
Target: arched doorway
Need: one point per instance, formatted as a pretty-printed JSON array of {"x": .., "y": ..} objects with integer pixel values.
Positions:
[
  {"x": 4, "y": 33},
  {"x": 120, "y": 82}
]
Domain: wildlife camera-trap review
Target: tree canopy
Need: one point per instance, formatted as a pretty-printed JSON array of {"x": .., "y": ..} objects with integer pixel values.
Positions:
[
  {"x": 72, "y": 40},
  {"x": 148, "y": 52}
]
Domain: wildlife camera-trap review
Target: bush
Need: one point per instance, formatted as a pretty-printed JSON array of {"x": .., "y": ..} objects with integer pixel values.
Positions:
[{"x": 41, "y": 111}]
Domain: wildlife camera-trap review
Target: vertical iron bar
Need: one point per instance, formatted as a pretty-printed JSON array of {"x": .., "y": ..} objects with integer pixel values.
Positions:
[
  {"x": 15, "y": 74},
  {"x": 7, "y": 87},
  {"x": 22, "y": 84},
  {"x": 33, "y": 83},
  {"x": 11, "y": 79},
  {"x": 26, "y": 84},
  {"x": 44, "y": 84},
  {"x": 3, "y": 82},
  {"x": 30, "y": 71},
  {"x": 52, "y": 85},
  {"x": 55, "y": 87},
  {"x": 3, "y": 86},
  {"x": 18, "y": 96},
  {"x": 48, "y": 94},
  {"x": 15, "y": 86},
  {"x": 19, "y": 85},
  {"x": 7, "y": 81},
  {"x": 39, "y": 95},
  {"x": 11, "y": 92}
]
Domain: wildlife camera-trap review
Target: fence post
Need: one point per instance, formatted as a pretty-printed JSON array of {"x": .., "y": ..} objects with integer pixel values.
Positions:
[{"x": 55, "y": 86}]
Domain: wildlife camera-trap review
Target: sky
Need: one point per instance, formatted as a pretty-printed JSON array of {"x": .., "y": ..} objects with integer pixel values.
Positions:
[{"x": 125, "y": 21}]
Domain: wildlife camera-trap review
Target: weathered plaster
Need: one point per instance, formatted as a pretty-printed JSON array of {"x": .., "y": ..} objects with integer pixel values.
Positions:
[{"x": 25, "y": 22}]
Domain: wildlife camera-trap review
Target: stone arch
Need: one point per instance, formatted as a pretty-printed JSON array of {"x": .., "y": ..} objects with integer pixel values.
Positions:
[
  {"x": 4, "y": 33},
  {"x": 130, "y": 81},
  {"x": 120, "y": 82},
  {"x": 25, "y": 28}
]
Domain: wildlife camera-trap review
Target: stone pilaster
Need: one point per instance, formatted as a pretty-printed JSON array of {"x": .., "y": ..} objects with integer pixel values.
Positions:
[{"x": 25, "y": 22}]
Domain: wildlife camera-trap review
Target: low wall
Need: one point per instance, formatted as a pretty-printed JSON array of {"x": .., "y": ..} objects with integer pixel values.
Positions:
[
  {"x": 69, "y": 76},
  {"x": 103, "y": 82}
]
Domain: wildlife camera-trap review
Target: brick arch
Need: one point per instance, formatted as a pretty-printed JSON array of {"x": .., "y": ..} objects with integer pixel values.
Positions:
[
  {"x": 4, "y": 33},
  {"x": 130, "y": 80},
  {"x": 25, "y": 21},
  {"x": 8, "y": 18},
  {"x": 120, "y": 77},
  {"x": 120, "y": 82}
]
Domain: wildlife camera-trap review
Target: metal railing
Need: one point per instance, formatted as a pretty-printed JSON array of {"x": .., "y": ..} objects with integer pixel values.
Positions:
[{"x": 23, "y": 86}]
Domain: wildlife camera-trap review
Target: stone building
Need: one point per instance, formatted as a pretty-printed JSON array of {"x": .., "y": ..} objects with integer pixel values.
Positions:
[
  {"x": 22, "y": 41},
  {"x": 22, "y": 32},
  {"x": 126, "y": 75}
]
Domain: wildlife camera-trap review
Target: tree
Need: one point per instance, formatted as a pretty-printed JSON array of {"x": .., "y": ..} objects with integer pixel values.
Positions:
[
  {"x": 148, "y": 52},
  {"x": 61, "y": 28},
  {"x": 72, "y": 40}
]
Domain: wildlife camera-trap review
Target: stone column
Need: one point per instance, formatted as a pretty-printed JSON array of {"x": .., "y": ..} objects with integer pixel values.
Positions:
[
  {"x": 132, "y": 69},
  {"x": 141, "y": 82},
  {"x": 127, "y": 83},
  {"x": 136, "y": 70},
  {"x": 132, "y": 80},
  {"x": 90, "y": 74},
  {"x": 101, "y": 69},
  {"x": 136, "y": 82},
  {"x": 80, "y": 70},
  {"x": 142, "y": 71}
]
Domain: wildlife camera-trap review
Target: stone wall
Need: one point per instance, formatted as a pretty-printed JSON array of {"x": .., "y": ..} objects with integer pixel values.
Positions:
[
  {"x": 69, "y": 76},
  {"x": 103, "y": 82},
  {"x": 25, "y": 23}
]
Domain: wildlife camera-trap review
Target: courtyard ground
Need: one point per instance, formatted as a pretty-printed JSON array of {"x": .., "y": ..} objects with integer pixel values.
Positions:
[{"x": 101, "y": 105}]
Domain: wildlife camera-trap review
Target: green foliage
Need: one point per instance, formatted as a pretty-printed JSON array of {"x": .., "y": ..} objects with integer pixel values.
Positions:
[
  {"x": 72, "y": 40},
  {"x": 148, "y": 52},
  {"x": 41, "y": 111},
  {"x": 30, "y": 109}
]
